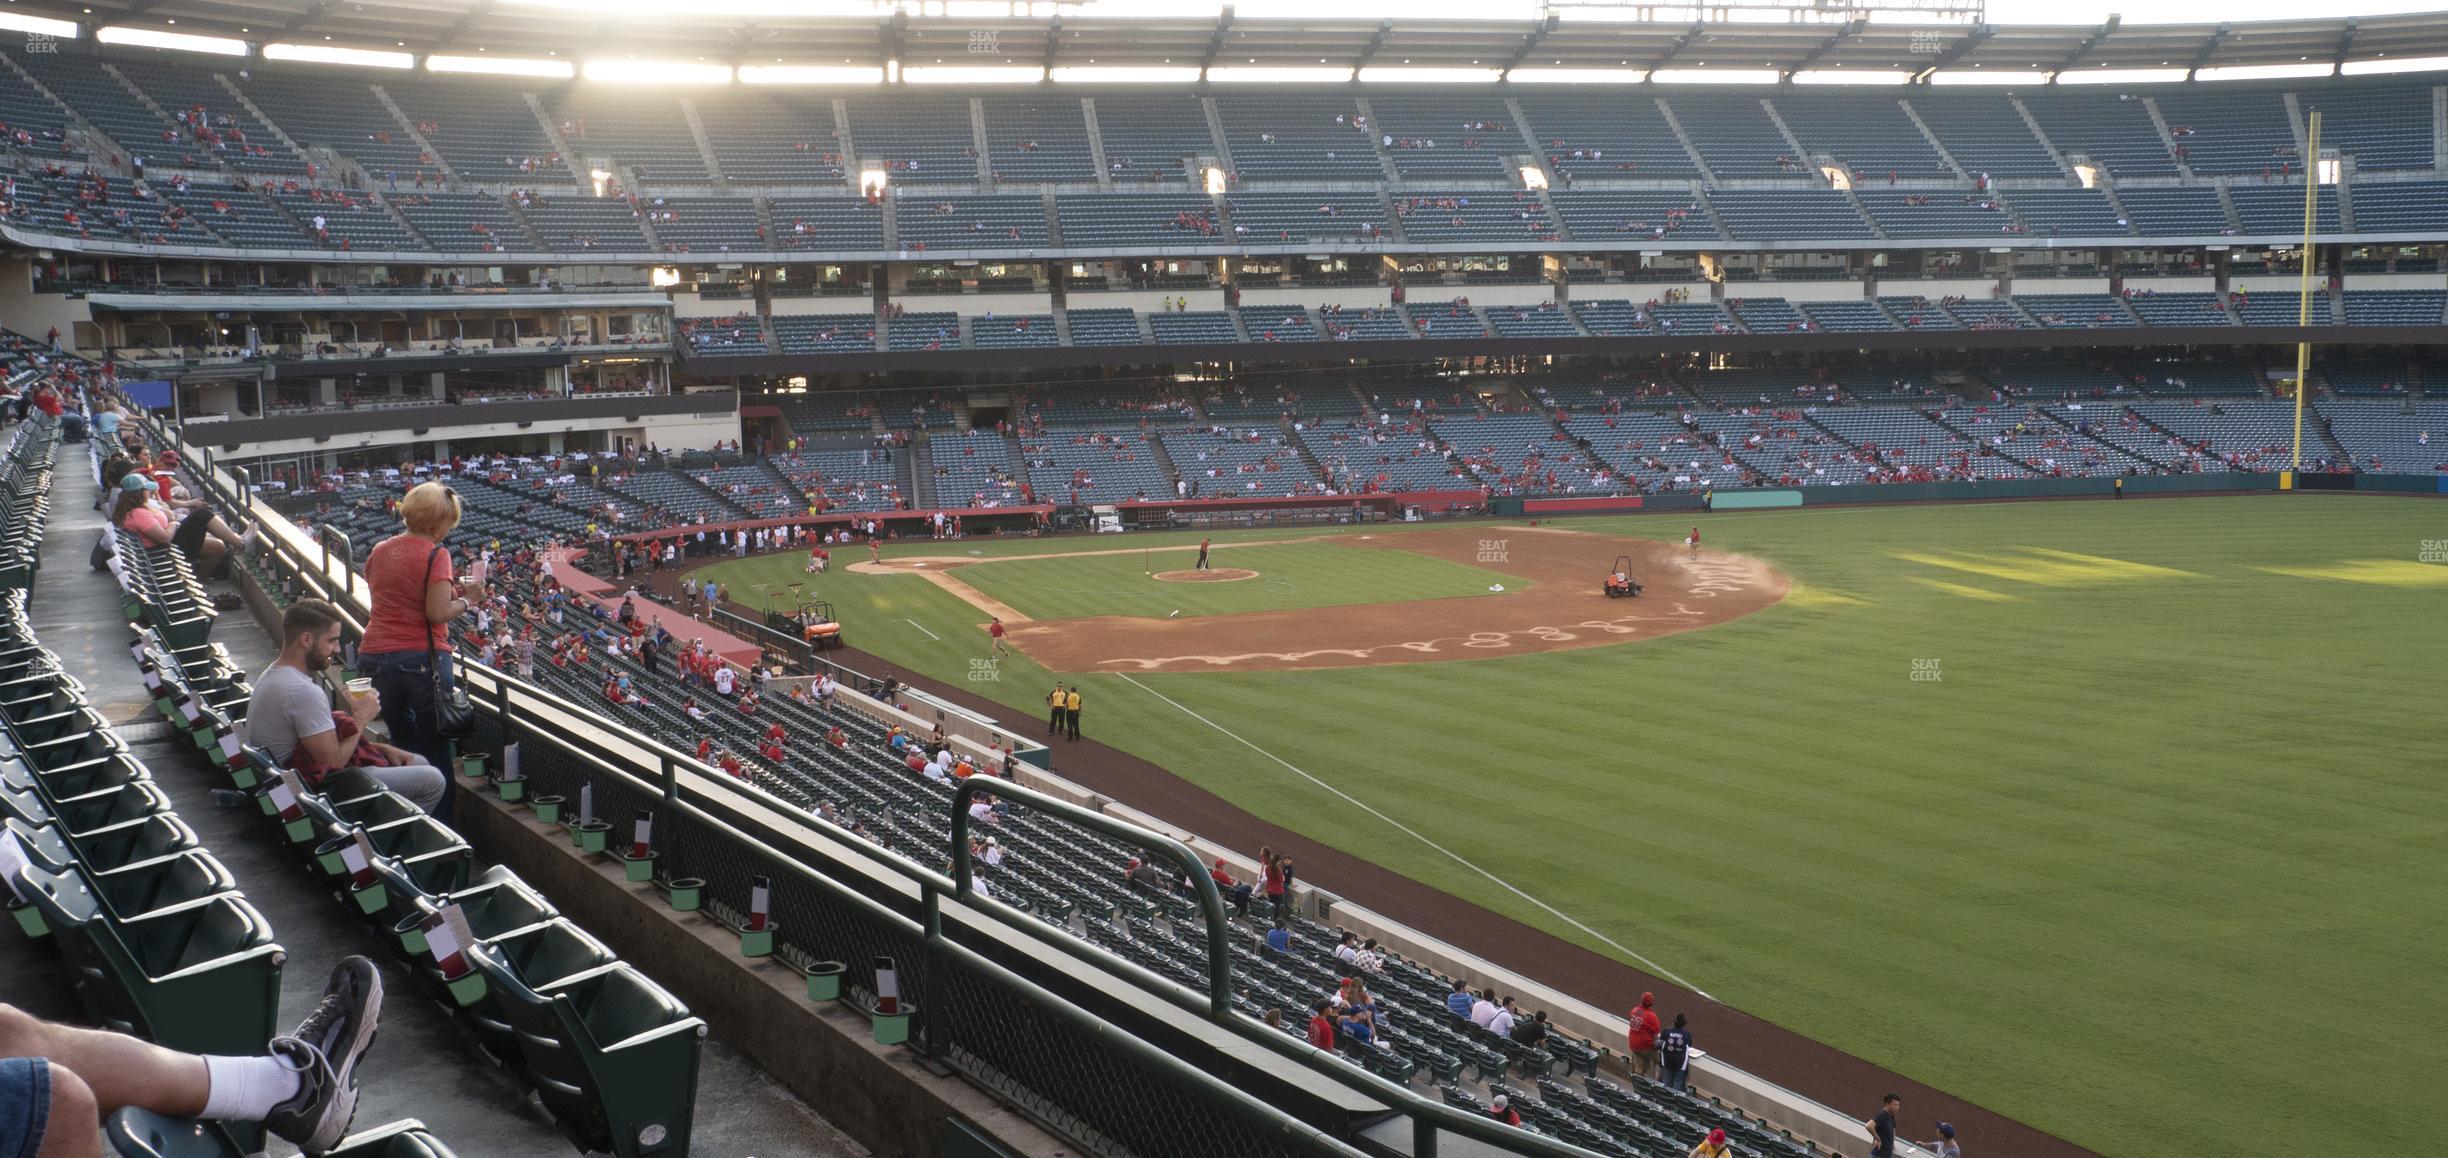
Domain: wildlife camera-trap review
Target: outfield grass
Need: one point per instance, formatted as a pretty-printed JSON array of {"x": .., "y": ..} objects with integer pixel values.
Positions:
[
  {"x": 1292, "y": 575},
  {"x": 2152, "y": 863}
]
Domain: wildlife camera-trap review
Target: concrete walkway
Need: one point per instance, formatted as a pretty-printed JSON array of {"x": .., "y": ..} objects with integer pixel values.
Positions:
[{"x": 424, "y": 1065}]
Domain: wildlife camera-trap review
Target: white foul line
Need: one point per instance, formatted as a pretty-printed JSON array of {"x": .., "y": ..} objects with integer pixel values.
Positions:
[
  {"x": 922, "y": 627},
  {"x": 1414, "y": 834}
]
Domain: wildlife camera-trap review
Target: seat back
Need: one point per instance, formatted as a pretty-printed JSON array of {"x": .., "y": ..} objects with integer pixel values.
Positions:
[
  {"x": 130, "y": 841},
  {"x": 500, "y": 902},
  {"x": 611, "y": 1054},
  {"x": 549, "y": 952},
  {"x": 165, "y": 882},
  {"x": 134, "y": 800}
]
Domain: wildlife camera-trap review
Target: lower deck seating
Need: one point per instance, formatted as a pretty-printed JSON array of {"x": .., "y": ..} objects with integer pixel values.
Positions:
[{"x": 1388, "y": 456}]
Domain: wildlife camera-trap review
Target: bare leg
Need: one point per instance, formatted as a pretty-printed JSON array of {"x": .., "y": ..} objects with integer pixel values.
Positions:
[
  {"x": 118, "y": 1070},
  {"x": 221, "y": 530},
  {"x": 209, "y": 556}
]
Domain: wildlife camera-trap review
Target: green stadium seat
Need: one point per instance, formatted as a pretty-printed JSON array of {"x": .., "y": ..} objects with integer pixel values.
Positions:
[
  {"x": 541, "y": 954},
  {"x": 162, "y": 883},
  {"x": 202, "y": 977},
  {"x": 73, "y": 748},
  {"x": 67, "y": 782},
  {"x": 545, "y": 954},
  {"x": 107, "y": 848},
  {"x": 135, "y": 1133},
  {"x": 134, "y": 800},
  {"x": 612, "y": 1056},
  {"x": 432, "y": 856},
  {"x": 498, "y": 903},
  {"x": 375, "y": 810},
  {"x": 72, "y": 721}
]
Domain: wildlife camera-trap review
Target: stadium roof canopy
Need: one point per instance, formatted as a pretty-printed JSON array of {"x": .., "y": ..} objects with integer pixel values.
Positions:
[{"x": 964, "y": 34}]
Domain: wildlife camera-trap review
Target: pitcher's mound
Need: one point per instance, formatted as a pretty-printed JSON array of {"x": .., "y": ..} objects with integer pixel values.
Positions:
[{"x": 1212, "y": 575}]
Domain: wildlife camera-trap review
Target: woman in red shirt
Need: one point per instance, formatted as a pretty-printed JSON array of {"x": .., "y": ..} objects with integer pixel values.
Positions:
[{"x": 406, "y": 650}]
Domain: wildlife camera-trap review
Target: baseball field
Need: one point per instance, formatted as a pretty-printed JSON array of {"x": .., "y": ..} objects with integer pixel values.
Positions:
[{"x": 2123, "y": 819}]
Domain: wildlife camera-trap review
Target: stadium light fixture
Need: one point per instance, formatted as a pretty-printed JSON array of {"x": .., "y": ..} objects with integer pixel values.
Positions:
[
  {"x": 1214, "y": 181},
  {"x": 1260, "y": 74},
  {"x": 973, "y": 74},
  {"x": 808, "y": 74},
  {"x": 331, "y": 54},
  {"x": 174, "y": 41},
  {"x": 1577, "y": 75},
  {"x": 1081, "y": 74},
  {"x": 664, "y": 277},
  {"x": 2401, "y": 64},
  {"x": 2088, "y": 174},
  {"x": 31, "y": 24},
  {"x": 1986, "y": 76},
  {"x": 621, "y": 70},
  {"x": 2121, "y": 76},
  {"x": 1862, "y": 76},
  {"x": 501, "y": 66},
  {"x": 1399, "y": 75},
  {"x": 1715, "y": 76},
  {"x": 2261, "y": 72},
  {"x": 1533, "y": 178},
  {"x": 873, "y": 182}
]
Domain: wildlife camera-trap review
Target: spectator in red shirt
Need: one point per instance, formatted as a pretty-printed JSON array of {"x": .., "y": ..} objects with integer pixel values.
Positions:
[
  {"x": 1233, "y": 890},
  {"x": 1321, "y": 1027},
  {"x": 1271, "y": 882},
  {"x": 1642, "y": 1041},
  {"x": 1501, "y": 1109},
  {"x": 415, "y": 597}
]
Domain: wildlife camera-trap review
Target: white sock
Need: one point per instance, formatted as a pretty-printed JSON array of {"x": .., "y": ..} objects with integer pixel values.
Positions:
[
  {"x": 244, "y": 1089},
  {"x": 11, "y": 859}
]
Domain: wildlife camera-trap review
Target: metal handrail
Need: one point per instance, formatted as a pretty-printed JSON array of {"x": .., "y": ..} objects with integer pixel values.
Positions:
[{"x": 1210, "y": 899}]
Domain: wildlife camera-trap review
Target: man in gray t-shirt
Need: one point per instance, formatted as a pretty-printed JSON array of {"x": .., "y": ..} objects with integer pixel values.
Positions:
[
  {"x": 290, "y": 716},
  {"x": 288, "y": 706}
]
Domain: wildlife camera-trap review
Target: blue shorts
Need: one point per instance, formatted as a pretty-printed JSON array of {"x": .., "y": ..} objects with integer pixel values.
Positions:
[{"x": 25, "y": 1105}]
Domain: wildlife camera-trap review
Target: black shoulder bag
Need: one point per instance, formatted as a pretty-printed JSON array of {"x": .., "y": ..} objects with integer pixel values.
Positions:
[{"x": 454, "y": 718}]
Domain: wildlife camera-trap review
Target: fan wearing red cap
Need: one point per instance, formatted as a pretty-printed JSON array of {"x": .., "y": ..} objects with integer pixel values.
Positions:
[
  {"x": 1713, "y": 1146},
  {"x": 1642, "y": 1040},
  {"x": 1501, "y": 1108}
]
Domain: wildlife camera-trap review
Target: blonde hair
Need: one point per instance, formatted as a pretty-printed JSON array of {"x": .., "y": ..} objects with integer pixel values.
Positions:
[{"x": 430, "y": 509}]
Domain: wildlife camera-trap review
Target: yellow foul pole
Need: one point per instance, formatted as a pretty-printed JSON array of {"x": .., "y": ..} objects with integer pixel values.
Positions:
[{"x": 2303, "y": 316}]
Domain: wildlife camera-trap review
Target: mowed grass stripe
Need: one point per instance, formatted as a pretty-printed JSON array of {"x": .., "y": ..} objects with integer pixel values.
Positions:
[
  {"x": 2146, "y": 841},
  {"x": 1290, "y": 576}
]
